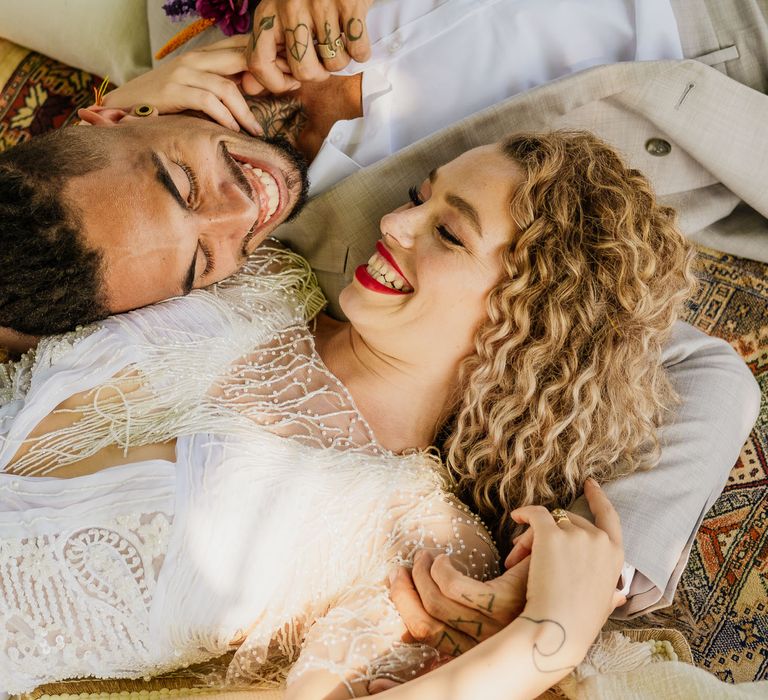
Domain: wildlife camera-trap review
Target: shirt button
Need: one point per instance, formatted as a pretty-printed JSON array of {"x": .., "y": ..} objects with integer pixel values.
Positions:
[
  {"x": 336, "y": 137},
  {"x": 658, "y": 147},
  {"x": 395, "y": 45}
]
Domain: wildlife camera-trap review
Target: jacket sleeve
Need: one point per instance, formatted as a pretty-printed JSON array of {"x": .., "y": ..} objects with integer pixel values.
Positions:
[{"x": 661, "y": 509}]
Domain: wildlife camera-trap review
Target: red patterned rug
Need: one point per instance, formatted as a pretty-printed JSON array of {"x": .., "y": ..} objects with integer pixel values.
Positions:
[{"x": 722, "y": 602}]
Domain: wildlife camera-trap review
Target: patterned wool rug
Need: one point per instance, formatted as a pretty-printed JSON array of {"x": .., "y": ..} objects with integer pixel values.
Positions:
[{"x": 722, "y": 603}]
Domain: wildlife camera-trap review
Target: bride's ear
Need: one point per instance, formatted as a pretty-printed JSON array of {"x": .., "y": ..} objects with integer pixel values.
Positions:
[{"x": 99, "y": 115}]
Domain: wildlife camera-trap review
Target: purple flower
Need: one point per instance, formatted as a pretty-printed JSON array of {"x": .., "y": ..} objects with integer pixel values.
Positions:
[
  {"x": 232, "y": 16},
  {"x": 178, "y": 10}
]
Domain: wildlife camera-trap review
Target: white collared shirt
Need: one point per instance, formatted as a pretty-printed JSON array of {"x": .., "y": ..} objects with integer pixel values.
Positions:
[{"x": 436, "y": 61}]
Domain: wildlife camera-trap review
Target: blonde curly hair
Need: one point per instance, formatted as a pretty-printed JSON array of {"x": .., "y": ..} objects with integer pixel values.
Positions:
[{"x": 566, "y": 381}]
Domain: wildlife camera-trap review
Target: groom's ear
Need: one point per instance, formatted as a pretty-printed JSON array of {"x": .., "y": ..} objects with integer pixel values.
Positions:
[{"x": 99, "y": 115}]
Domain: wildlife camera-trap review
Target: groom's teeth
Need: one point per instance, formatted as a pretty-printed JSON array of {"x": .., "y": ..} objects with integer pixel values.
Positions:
[{"x": 269, "y": 186}]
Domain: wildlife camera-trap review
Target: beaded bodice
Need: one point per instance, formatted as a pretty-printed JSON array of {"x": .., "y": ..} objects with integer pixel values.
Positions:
[{"x": 275, "y": 527}]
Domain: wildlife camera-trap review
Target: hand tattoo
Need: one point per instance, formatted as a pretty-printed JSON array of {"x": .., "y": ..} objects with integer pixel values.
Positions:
[
  {"x": 297, "y": 41},
  {"x": 544, "y": 654},
  {"x": 487, "y": 599},
  {"x": 265, "y": 24},
  {"x": 455, "y": 650},
  {"x": 459, "y": 621},
  {"x": 327, "y": 38},
  {"x": 355, "y": 29},
  {"x": 279, "y": 116}
]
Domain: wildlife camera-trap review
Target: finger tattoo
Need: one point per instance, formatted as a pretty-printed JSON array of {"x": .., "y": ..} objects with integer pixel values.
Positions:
[
  {"x": 540, "y": 658},
  {"x": 478, "y": 626},
  {"x": 355, "y": 29},
  {"x": 327, "y": 38},
  {"x": 486, "y": 598},
  {"x": 265, "y": 24},
  {"x": 297, "y": 40},
  {"x": 455, "y": 649}
]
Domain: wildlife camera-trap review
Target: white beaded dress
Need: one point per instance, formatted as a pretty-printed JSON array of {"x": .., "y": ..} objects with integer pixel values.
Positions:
[{"x": 275, "y": 527}]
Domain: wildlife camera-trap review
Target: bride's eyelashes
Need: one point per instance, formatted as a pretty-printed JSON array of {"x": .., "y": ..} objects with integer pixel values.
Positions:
[{"x": 444, "y": 233}]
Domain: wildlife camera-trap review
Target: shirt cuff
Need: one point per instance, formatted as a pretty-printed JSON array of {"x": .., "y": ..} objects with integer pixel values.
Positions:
[{"x": 625, "y": 579}]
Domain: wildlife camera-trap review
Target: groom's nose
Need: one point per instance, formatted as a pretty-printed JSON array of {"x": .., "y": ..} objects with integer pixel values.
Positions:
[{"x": 231, "y": 214}]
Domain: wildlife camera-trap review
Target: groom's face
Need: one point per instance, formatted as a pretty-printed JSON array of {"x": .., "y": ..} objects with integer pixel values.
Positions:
[{"x": 181, "y": 205}]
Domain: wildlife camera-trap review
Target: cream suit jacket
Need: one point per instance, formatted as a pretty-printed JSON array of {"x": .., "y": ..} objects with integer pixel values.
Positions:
[{"x": 711, "y": 174}]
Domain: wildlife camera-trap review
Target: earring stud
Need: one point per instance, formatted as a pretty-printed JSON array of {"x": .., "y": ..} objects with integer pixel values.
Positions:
[{"x": 143, "y": 110}]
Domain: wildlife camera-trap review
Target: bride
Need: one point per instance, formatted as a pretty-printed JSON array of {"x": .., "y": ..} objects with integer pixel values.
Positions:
[{"x": 234, "y": 470}]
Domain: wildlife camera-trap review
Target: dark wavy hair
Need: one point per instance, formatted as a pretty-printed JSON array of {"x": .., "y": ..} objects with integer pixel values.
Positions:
[{"x": 50, "y": 279}]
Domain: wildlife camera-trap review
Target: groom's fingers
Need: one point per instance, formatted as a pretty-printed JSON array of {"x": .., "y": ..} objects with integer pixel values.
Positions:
[
  {"x": 421, "y": 626},
  {"x": 435, "y": 581}
]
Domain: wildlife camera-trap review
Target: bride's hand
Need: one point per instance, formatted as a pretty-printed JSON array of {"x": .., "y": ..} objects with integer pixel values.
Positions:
[
  {"x": 570, "y": 565},
  {"x": 205, "y": 80},
  {"x": 572, "y": 577}
]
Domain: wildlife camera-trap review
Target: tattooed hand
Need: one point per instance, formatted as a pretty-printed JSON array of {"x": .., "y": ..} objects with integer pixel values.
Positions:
[
  {"x": 452, "y": 612},
  {"x": 304, "y": 40},
  {"x": 560, "y": 580}
]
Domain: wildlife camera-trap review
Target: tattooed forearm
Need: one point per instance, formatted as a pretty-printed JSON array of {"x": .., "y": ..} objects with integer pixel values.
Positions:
[
  {"x": 482, "y": 601},
  {"x": 541, "y": 659},
  {"x": 297, "y": 40},
  {"x": 355, "y": 29},
  {"x": 279, "y": 116}
]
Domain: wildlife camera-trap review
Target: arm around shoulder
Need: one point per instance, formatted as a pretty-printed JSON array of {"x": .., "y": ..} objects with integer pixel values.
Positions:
[{"x": 661, "y": 509}]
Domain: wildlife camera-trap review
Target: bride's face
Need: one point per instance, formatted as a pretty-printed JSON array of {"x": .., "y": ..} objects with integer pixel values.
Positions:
[{"x": 423, "y": 292}]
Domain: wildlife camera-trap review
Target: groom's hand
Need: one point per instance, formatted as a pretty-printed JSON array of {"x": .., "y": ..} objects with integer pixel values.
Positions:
[
  {"x": 294, "y": 41},
  {"x": 445, "y": 609}
]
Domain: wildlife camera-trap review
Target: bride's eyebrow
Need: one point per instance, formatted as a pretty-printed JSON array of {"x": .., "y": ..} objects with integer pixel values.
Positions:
[{"x": 462, "y": 205}]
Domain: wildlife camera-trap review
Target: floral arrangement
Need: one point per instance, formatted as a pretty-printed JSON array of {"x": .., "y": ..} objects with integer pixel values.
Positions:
[{"x": 232, "y": 17}]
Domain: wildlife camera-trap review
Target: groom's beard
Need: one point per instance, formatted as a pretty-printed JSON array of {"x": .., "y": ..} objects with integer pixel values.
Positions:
[{"x": 301, "y": 166}]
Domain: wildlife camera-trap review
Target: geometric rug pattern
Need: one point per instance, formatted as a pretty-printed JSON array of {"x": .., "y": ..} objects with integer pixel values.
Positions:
[{"x": 721, "y": 605}]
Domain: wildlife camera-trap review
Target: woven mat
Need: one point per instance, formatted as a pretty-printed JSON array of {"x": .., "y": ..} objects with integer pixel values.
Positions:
[{"x": 722, "y": 603}]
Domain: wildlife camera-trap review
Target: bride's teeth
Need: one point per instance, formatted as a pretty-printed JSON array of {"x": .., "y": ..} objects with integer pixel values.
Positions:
[{"x": 381, "y": 270}]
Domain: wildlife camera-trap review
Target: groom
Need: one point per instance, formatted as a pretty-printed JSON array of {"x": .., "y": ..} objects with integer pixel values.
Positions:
[{"x": 650, "y": 111}]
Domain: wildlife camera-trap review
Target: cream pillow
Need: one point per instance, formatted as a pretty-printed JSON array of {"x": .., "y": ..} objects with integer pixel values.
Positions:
[{"x": 105, "y": 37}]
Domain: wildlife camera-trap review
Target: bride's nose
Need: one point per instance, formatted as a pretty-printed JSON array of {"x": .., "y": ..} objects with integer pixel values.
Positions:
[{"x": 402, "y": 225}]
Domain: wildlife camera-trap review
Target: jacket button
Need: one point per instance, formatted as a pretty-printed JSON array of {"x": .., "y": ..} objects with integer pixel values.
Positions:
[{"x": 658, "y": 147}]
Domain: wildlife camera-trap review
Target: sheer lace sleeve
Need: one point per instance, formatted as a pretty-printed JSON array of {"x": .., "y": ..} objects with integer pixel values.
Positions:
[
  {"x": 146, "y": 376},
  {"x": 359, "y": 639}
]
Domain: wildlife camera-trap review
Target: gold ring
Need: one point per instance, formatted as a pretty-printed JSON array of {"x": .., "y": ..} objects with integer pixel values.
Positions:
[
  {"x": 559, "y": 515},
  {"x": 143, "y": 110},
  {"x": 330, "y": 49}
]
